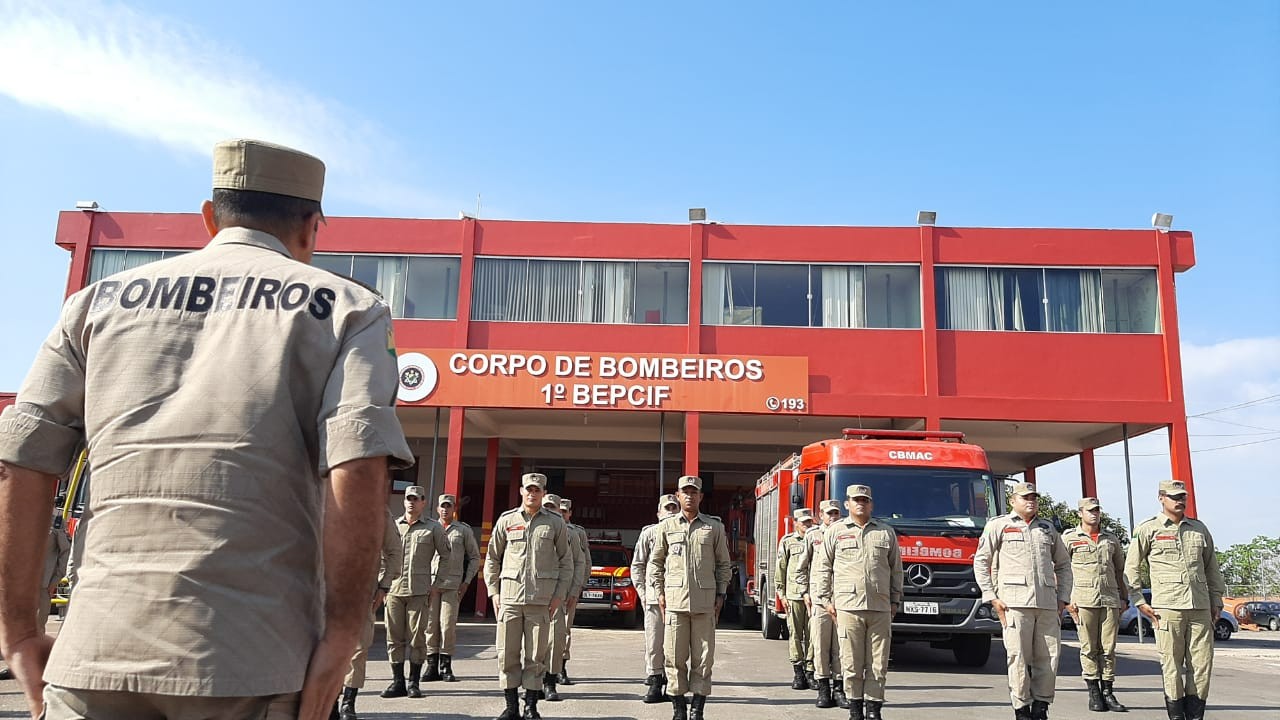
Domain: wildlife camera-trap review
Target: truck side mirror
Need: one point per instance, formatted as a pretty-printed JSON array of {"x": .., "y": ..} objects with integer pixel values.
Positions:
[{"x": 797, "y": 496}]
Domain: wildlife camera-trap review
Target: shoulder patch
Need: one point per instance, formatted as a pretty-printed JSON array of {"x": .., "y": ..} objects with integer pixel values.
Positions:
[{"x": 508, "y": 512}]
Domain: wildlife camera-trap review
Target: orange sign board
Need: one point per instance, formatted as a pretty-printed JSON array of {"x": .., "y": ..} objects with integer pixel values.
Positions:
[{"x": 604, "y": 381}]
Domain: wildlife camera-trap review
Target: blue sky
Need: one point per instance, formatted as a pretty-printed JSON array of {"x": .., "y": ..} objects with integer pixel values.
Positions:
[{"x": 1017, "y": 114}]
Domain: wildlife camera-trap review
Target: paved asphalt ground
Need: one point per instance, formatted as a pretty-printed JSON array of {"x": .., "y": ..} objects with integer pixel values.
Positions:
[{"x": 752, "y": 680}]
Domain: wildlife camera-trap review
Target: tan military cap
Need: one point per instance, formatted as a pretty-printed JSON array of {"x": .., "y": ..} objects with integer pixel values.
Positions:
[
  {"x": 802, "y": 514},
  {"x": 1173, "y": 487},
  {"x": 1089, "y": 503},
  {"x": 447, "y": 499},
  {"x": 255, "y": 165},
  {"x": 532, "y": 479},
  {"x": 666, "y": 500},
  {"x": 1025, "y": 488},
  {"x": 856, "y": 491},
  {"x": 692, "y": 481},
  {"x": 552, "y": 501},
  {"x": 827, "y": 506},
  {"x": 566, "y": 504},
  {"x": 415, "y": 491}
]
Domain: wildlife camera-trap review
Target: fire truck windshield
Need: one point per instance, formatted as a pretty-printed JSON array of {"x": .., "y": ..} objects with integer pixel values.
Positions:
[{"x": 945, "y": 500}]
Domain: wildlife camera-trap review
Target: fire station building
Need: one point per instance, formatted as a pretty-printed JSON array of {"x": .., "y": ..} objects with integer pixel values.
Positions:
[{"x": 616, "y": 357}]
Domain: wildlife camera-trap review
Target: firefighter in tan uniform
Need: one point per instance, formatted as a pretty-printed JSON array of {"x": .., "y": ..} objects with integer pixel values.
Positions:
[
  {"x": 858, "y": 580},
  {"x": 225, "y": 393},
  {"x": 560, "y": 618},
  {"x": 1186, "y": 598},
  {"x": 454, "y": 574},
  {"x": 409, "y": 601},
  {"x": 654, "y": 658},
  {"x": 528, "y": 568},
  {"x": 390, "y": 566},
  {"x": 1025, "y": 573},
  {"x": 1098, "y": 596},
  {"x": 823, "y": 634},
  {"x": 690, "y": 571},
  {"x": 571, "y": 611},
  {"x": 789, "y": 580}
]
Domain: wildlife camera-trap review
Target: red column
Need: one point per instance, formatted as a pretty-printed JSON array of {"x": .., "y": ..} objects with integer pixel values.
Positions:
[
  {"x": 1180, "y": 461},
  {"x": 1179, "y": 447},
  {"x": 929, "y": 327},
  {"x": 513, "y": 492},
  {"x": 697, "y": 244},
  {"x": 691, "y": 432},
  {"x": 486, "y": 525},
  {"x": 75, "y": 233},
  {"x": 1088, "y": 476},
  {"x": 1029, "y": 475},
  {"x": 466, "y": 274},
  {"x": 453, "y": 453}
]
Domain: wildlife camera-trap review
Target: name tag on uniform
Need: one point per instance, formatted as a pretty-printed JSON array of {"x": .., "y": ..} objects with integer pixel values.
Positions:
[
  {"x": 515, "y": 533},
  {"x": 1172, "y": 538},
  {"x": 1079, "y": 543},
  {"x": 817, "y": 540},
  {"x": 1013, "y": 534}
]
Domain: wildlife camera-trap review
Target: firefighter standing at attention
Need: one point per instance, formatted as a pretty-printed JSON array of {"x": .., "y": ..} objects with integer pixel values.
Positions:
[
  {"x": 1097, "y": 599},
  {"x": 823, "y": 635},
  {"x": 789, "y": 580}
]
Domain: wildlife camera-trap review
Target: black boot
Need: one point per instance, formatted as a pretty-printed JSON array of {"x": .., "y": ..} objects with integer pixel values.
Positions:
[
  {"x": 446, "y": 669},
  {"x": 798, "y": 682},
  {"x": 531, "y": 705},
  {"x": 1039, "y": 710},
  {"x": 696, "y": 707},
  {"x": 1194, "y": 707},
  {"x": 512, "y": 696},
  {"x": 1096, "y": 703},
  {"x": 1022, "y": 713},
  {"x": 824, "y": 694},
  {"x": 873, "y": 709},
  {"x": 347, "y": 708},
  {"x": 549, "y": 687},
  {"x": 411, "y": 681},
  {"x": 1109, "y": 697},
  {"x": 809, "y": 678},
  {"x": 837, "y": 693},
  {"x": 856, "y": 708},
  {"x": 654, "y": 694},
  {"x": 433, "y": 668},
  {"x": 396, "y": 688},
  {"x": 680, "y": 707},
  {"x": 1175, "y": 709},
  {"x": 562, "y": 677}
]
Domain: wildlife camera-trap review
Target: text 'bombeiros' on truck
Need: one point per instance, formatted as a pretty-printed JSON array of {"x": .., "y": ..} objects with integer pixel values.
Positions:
[{"x": 935, "y": 490}]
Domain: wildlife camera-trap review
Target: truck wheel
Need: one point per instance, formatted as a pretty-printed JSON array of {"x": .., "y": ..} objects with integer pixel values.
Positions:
[
  {"x": 770, "y": 623},
  {"x": 972, "y": 650}
]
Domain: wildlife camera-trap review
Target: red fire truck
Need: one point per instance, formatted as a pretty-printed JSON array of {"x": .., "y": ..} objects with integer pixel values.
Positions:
[{"x": 934, "y": 489}]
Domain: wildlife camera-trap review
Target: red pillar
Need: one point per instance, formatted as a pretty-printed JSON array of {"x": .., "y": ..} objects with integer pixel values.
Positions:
[
  {"x": 513, "y": 491},
  {"x": 1029, "y": 475},
  {"x": 1179, "y": 445},
  {"x": 486, "y": 525},
  {"x": 1180, "y": 461},
  {"x": 697, "y": 245},
  {"x": 1088, "y": 476},
  {"x": 929, "y": 327},
  {"x": 691, "y": 433},
  {"x": 453, "y": 453}
]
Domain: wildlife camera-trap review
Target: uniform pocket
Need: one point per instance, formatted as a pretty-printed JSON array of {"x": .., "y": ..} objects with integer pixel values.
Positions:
[{"x": 1013, "y": 579}]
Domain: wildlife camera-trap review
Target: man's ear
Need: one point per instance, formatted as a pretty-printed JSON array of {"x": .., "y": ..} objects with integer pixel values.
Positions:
[{"x": 206, "y": 212}]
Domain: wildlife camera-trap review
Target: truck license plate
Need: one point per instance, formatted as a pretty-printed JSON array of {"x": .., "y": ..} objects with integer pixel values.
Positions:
[
  {"x": 599, "y": 595},
  {"x": 920, "y": 608}
]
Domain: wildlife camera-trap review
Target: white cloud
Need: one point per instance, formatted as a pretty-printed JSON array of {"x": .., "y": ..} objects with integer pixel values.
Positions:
[
  {"x": 158, "y": 79},
  {"x": 1233, "y": 452}
]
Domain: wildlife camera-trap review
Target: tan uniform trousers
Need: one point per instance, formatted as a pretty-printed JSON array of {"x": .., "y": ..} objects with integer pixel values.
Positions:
[
  {"x": 1184, "y": 640},
  {"x": 407, "y": 628},
  {"x": 654, "y": 633},
  {"x": 825, "y": 641},
  {"x": 559, "y": 640},
  {"x": 1097, "y": 632},
  {"x": 865, "y": 637},
  {"x": 524, "y": 633},
  {"x": 568, "y": 630},
  {"x": 68, "y": 704},
  {"x": 1031, "y": 643},
  {"x": 442, "y": 622},
  {"x": 691, "y": 651},
  {"x": 799, "y": 649},
  {"x": 355, "y": 675}
]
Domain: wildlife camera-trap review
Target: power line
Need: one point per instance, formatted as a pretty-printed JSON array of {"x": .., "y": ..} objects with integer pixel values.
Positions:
[
  {"x": 1238, "y": 406},
  {"x": 1229, "y": 422},
  {"x": 1222, "y": 447}
]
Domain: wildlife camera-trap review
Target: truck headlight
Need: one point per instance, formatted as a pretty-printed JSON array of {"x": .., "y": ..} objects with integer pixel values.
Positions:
[{"x": 622, "y": 582}]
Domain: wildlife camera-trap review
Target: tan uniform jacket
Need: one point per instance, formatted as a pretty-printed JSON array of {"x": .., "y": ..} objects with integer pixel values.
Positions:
[
  {"x": 214, "y": 390},
  {"x": 813, "y": 539},
  {"x": 690, "y": 562},
  {"x": 1097, "y": 569},
  {"x": 423, "y": 542},
  {"x": 1023, "y": 564},
  {"x": 1184, "y": 565},
  {"x": 789, "y": 574},
  {"x": 391, "y": 561},
  {"x": 640, "y": 566},
  {"x": 462, "y": 563},
  {"x": 858, "y": 568},
  {"x": 528, "y": 561},
  {"x": 581, "y": 559}
]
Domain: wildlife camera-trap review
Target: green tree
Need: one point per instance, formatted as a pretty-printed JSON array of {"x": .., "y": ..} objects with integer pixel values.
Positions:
[
  {"x": 1252, "y": 568},
  {"x": 1051, "y": 509}
]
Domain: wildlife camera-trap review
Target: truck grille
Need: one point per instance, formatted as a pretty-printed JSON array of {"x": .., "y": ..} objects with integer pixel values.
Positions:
[
  {"x": 599, "y": 582},
  {"x": 939, "y": 579}
]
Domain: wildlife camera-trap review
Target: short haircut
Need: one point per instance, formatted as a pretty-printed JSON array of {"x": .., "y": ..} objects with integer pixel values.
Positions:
[{"x": 261, "y": 210}]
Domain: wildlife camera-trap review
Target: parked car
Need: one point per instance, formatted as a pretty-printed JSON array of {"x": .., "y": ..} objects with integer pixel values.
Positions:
[
  {"x": 609, "y": 589},
  {"x": 1222, "y": 629},
  {"x": 1260, "y": 613}
]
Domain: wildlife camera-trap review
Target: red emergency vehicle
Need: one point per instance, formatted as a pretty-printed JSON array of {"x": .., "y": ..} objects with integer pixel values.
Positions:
[{"x": 934, "y": 489}]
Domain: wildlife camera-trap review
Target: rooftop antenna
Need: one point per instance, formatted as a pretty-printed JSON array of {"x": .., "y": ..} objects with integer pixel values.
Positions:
[{"x": 477, "y": 205}]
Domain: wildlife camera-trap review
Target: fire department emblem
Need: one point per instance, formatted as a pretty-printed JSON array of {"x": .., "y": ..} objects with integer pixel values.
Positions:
[{"x": 418, "y": 377}]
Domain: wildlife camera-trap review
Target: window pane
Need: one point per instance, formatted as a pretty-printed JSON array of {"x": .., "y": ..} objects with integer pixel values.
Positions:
[
  {"x": 728, "y": 294},
  {"x": 340, "y": 264},
  {"x": 386, "y": 274},
  {"x": 837, "y": 296},
  {"x": 1016, "y": 298},
  {"x": 606, "y": 292},
  {"x": 498, "y": 283},
  {"x": 662, "y": 293},
  {"x": 782, "y": 295},
  {"x": 1075, "y": 300},
  {"x": 893, "y": 296},
  {"x": 963, "y": 298},
  {"x": 1130, "y": 301},
  {"x": 104, "y": 263},
  {"x": 432, "y": 288}
]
